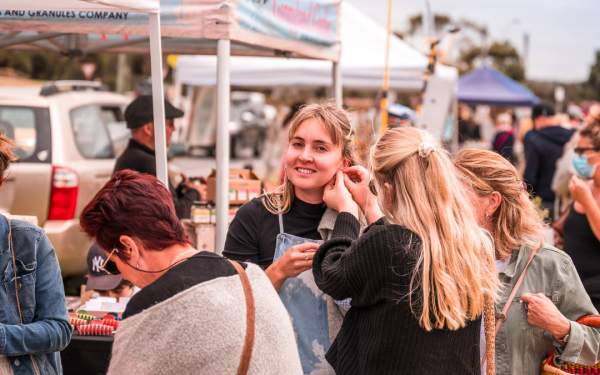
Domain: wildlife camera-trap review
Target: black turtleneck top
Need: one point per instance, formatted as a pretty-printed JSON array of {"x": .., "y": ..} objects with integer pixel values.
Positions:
[{"x": 253, "y": 232}]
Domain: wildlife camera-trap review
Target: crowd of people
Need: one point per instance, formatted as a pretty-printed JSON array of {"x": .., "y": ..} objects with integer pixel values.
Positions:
[{"x": 416, "y": 263}]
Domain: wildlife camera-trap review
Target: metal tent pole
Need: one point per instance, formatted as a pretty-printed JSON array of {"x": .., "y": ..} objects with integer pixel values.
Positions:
[
  {"x": 223, "y": 103},
  {"x": 121, "y": 43},
  {"x": 121, "y": 67},
  {"x": 158, "y": 100},
  {"x": 14, "y": 41},
  {"x": 386, "y": 74},
  {"x": 337, "y": 84}
]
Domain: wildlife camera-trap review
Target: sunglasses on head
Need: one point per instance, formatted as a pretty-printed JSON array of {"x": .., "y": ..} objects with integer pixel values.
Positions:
[
  {"x": 581, "y": 150},
  {"x": 109, "y": 266}
]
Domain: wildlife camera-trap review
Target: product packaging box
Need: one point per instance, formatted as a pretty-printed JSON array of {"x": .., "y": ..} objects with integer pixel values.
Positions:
[{"x": 243, "y": 186}]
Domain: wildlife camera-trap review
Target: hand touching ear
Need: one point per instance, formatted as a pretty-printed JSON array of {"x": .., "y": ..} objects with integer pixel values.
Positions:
[
  {"x": 338, "y": 197},
  {"x": 357, "y": 181}
]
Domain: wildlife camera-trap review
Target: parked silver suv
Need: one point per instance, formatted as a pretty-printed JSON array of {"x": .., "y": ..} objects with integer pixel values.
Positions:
[{"x": 67, "y": 143}]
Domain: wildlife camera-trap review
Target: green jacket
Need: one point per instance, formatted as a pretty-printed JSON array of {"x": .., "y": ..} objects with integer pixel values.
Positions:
[{"x": 521, "y": 347}]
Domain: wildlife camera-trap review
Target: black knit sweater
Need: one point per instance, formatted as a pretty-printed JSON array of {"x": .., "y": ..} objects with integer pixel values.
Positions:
[{"x": 380, "y": 335}]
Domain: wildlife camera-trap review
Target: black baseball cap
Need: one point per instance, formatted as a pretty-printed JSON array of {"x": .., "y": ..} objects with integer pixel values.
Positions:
[
  {"x": 99, "y": 279},
  {"x": 542, "y": 109},
  {"x": 140, "y": 112}
]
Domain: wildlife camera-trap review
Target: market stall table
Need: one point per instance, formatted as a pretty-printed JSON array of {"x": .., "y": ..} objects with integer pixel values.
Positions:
[{"x": 88, "y": 355}]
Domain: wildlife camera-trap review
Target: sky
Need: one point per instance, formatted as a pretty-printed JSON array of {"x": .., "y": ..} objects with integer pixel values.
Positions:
[{"x": 563, "y": 34}]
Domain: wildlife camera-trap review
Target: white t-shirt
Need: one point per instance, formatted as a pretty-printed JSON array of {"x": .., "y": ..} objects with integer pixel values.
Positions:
[
  {"x": 5, "y": 368},
  {"x": 500, "y": 266}
]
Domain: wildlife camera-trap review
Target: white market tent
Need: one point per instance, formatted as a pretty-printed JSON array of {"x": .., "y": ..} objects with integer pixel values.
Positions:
[
  {"x": 152, "y": 7},
  {"x": 361, "y": 63},
  {"x": 291, "y": 28}
]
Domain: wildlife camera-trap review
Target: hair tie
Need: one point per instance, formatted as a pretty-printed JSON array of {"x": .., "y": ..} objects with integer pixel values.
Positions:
[{"x": 425, "y": 149}]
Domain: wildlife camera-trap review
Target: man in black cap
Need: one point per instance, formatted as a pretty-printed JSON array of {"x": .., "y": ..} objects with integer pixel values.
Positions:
[
  {"x": 544, "y": 149},
  {"x": 139, "y": 155}
]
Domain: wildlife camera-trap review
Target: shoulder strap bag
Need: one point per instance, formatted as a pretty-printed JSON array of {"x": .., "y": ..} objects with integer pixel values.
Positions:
[
  {"x": 12, "y": 251},
  {"x": 490, "y": 313},
  {"x": 250, "y": 320}
]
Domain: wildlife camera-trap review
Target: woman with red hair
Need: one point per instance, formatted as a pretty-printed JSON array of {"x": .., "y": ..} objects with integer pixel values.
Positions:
[{"x": 190, "y": 316}]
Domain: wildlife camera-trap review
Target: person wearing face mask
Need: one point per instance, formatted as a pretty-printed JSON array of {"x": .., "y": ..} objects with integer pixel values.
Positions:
[
  {"x": 281, "y": 230},
  {"x": 580, "y": 225}
]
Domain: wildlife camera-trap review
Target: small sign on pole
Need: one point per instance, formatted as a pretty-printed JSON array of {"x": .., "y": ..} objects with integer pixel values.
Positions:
[{"x": 88, "y": 69}]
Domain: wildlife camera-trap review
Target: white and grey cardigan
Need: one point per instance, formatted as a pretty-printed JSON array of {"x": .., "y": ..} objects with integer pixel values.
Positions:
[{"x": 201, "y": 330}]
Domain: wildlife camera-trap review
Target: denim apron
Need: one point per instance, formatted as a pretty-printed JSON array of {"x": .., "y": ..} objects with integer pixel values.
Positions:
[{"x": 307, "y": 306}]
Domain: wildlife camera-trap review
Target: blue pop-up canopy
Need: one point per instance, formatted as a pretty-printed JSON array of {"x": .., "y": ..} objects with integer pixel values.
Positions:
[{"x": 488, "y": 86}]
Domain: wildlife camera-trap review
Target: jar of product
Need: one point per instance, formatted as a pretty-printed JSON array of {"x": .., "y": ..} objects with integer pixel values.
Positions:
[
  {"x": 213, "y": 215},
  {"x": 200, "y": 212}
]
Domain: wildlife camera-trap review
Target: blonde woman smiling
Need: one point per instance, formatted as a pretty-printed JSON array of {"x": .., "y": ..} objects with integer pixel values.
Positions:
[
  {"x": 281, "y": 230},
  {"x": 420, "y": 273}
]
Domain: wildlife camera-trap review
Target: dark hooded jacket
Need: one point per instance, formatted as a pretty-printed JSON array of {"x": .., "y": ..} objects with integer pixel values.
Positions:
[{"x": 544, "y": 150}]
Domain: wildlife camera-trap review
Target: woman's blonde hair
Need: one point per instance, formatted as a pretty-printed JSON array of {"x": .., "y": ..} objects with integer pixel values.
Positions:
[
  {"x": 336, "y": 123},
  {"x": 455, "y": 271},
  {"x": 516, "y": 221}
]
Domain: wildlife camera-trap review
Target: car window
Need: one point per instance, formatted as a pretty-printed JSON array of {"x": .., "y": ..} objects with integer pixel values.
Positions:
[
  {"x": 25, "y": 126},
  {"x": 91, "y": 137},
  {"x": 19, "y": 125},
  {"x": 117, "y": 128}
]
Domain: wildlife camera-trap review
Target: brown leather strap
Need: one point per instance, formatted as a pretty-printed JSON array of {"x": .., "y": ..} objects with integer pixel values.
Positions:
[
  {"x": 249, "y": 341},
  {"x": 512, "y": 295},
  {"x": 490, "y": 344}
]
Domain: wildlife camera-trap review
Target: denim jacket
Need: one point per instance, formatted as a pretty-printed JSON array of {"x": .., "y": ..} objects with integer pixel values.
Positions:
[
  {"x": 521, "y": 347},
  {"x": 46, "y": 328}
]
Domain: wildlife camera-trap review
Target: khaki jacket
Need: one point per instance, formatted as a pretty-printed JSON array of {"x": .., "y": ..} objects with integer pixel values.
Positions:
[{"x": 521, "y": 347}]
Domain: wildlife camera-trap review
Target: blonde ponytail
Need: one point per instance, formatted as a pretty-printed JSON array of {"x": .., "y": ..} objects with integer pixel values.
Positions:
[{"x": 455, "y": 270}]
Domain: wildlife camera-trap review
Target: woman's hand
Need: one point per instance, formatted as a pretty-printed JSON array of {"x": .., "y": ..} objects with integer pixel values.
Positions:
[
  {"x": 337, "y": 196},
  {"x": 543, "y": 314},
  {"x": 580, "y": 191},
  {"x": 357, "y": 181},
  {"x": 295, "y": 261}
]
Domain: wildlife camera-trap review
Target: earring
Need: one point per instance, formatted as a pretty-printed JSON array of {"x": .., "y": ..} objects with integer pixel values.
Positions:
[
  {"x": 137, "y": 266},
  {"x": 486, "y": 217}
]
